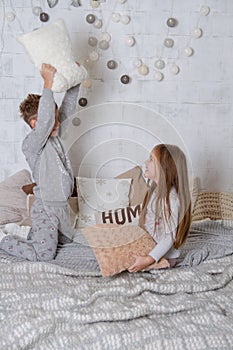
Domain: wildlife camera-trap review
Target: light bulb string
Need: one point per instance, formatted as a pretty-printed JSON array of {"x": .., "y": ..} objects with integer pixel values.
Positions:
[
  {"x": 108, "y": 23},
  {"x": 3, "y": 28},
  {"x": 167, "y": 30},
  {"x": 17, "y": 18},
  {"x": 102, "y": 19},
  {"x": 109, "y": 18},
  {"x": 106, "y": 29},
  {"x": 125, "y": 69},
  {"x": 137, "y": 49},
  {"x": 190, "y": 37}
]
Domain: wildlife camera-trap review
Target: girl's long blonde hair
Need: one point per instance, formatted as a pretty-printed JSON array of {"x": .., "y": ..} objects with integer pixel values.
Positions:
[{"x": 172, "y": 173}]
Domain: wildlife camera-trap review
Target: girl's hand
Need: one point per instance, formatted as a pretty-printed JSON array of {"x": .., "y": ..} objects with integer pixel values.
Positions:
[
  {"x": 141, "y": 262},
  {"x": 47, "y": 72}
]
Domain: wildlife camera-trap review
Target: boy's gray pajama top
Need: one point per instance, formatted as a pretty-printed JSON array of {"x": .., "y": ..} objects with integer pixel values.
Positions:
[{"x": 52, "y": 172}]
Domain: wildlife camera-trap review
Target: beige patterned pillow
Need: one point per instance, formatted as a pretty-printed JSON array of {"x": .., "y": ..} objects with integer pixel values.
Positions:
[{"x": 112, "y": 245}]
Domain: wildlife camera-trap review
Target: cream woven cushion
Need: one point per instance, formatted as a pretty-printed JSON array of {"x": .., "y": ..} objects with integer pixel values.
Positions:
[{"x": 213, "y": 205}]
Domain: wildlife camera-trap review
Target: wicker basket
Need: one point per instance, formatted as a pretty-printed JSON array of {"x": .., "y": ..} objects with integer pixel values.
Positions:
[{"x": 213, "y": 205}]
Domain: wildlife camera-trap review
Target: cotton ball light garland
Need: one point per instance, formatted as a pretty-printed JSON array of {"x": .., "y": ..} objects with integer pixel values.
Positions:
[
  {"x": 125, "y": 19},
  {"x": 94, "y": 4},
  {"x": 158, "y": 76},
  {"x": 188, "y": 51},
  {"x": 37, "y": 10},
  {"x": 88, "y": 62},
  {"x": 44, "y": 17},
  {"x": 130, "y": 41},
  {"x": 137, "y": 62},
  {"x": 116, "y": 17},
  {"x": 92, "y": 41},
  {"x": 160, "y": 64},
  {"x": 98, "y": 23},
  {"x": 174, "y": 69},
  {"x": 106, "y": 36},
  {"x": 205, "y": 10},
  {"x": 82, "y": 101},
  {"x": 197, "y": 33},
  {"x": 171, "y": 22},
  {"x": 111, "y": 64},
  {"x": 10, "y": 16},
  {"x": 94, "y": 56},
  {"x": 86, "y": 83},
  {"x": 168, "y": 42},
  {"x": 125, "y": 79},
  {"x": 143, "y": 70},
  {"x": 103, "y": 45},
  {"x": 90, "y": 18},
  {"x": 76, "y": 121}
]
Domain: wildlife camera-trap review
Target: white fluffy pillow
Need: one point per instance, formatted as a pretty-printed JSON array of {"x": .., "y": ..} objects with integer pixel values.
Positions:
[{"x": 51, "y": 44}]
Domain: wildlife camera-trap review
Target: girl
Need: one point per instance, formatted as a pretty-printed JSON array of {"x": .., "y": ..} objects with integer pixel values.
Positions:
[{"x": 166, "y": 209}]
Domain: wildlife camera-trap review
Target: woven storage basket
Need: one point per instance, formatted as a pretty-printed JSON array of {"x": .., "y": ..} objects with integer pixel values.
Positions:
[{"x": 213, "y": 205}]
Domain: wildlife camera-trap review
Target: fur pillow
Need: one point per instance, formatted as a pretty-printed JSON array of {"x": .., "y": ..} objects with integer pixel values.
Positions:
[
  {"x": 121, "y": 216},
  {"x": 51, "y": 44},
  {"x": 13, "y": 207},
  {"x": 112, "y": 245}
]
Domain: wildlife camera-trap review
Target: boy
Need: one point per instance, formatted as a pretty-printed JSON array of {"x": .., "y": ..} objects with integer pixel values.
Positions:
[{"x": 51, "y": 170}]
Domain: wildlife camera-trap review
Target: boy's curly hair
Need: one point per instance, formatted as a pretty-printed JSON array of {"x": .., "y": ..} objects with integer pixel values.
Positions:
[{"x": 29, "y": 107}]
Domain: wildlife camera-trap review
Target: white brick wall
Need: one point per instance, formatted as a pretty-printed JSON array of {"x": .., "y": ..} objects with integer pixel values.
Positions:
[{"x": 197, "y": 102}]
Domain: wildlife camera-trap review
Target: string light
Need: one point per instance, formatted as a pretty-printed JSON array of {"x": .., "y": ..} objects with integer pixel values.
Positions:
[
  {"x": 2, "y": 29},
  {"x": 104, "y": 41}
]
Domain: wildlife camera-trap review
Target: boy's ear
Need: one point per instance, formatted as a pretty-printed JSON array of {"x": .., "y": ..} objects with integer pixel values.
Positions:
[{"x": 32, "y": 123}]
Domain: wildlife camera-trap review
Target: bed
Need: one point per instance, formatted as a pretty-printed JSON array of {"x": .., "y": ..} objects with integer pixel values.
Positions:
[{"x": 67, "y": 304}]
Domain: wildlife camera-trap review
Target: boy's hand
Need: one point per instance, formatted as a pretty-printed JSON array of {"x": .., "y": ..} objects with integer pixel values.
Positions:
[{"x": 47, "y": 72}]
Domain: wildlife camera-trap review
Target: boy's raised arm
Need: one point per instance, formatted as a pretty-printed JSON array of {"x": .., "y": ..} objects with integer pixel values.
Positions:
[
  {"x": 46, "y": 111},
  {"x": 69, "y": 103}
]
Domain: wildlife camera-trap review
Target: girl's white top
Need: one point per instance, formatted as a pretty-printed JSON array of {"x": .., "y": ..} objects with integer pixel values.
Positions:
[{"x": 163, "y": 232}]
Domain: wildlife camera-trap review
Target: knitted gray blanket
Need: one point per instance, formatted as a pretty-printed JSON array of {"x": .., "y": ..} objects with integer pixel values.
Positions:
[
  {"x": 66, "y": 304},
  {"x": 207, "y": 240}
]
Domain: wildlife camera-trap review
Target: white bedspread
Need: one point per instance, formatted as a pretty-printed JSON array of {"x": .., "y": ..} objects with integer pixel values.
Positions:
[{"x": 45, "y": 306}]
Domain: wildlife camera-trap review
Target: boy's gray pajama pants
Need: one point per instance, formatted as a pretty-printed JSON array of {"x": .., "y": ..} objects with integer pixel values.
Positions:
[{"x": 50, "y": 225}]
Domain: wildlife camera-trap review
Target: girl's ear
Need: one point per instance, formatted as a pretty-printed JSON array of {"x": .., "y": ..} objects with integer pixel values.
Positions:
[{"x": 32, "y": 123}]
